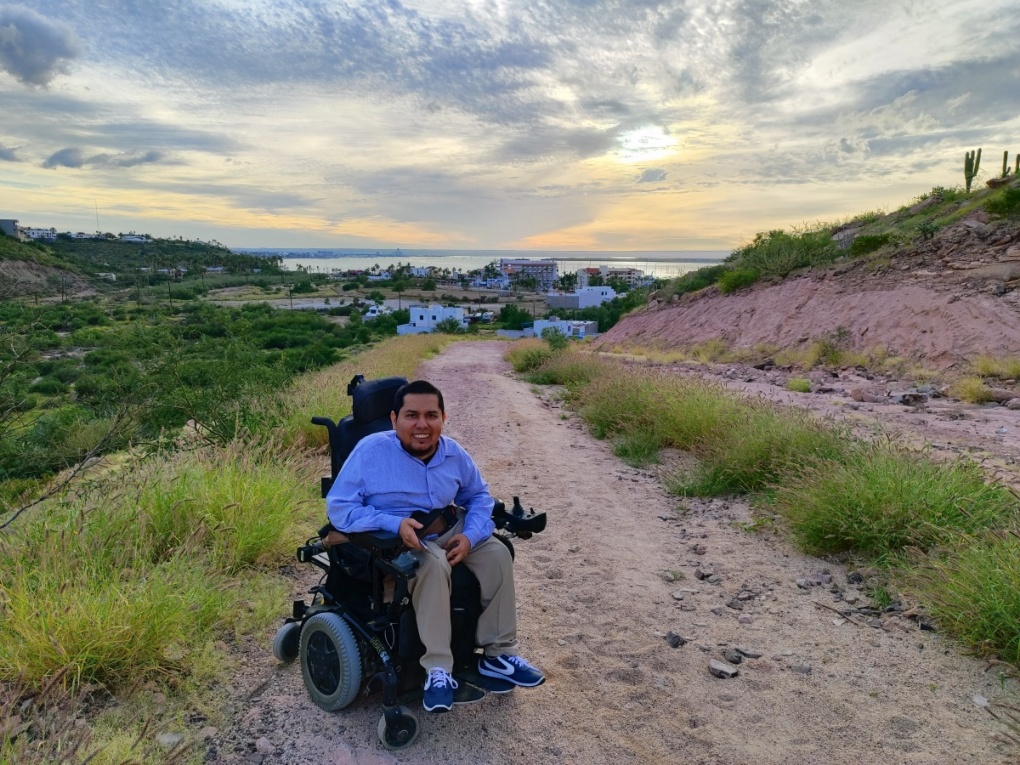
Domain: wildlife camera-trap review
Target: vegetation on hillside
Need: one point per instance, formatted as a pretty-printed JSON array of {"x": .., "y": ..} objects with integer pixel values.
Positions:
[
  {"x": 125, "y": 596},
  {"x": 942, "y": 531},
  {"x": 778, "y": 253}
]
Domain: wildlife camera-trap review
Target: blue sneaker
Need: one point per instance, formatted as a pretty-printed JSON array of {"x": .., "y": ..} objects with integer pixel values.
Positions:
[
  {"x": 439, "y": 687},
  {"x": 512, "y": 669}
]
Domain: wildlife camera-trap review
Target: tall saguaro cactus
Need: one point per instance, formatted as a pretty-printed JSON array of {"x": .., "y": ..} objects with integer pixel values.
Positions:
[
  {"x": 1005, "y": 163},
  {"x": 971, "y": 164}
]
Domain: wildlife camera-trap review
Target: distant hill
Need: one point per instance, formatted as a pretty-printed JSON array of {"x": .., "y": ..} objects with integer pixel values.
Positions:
[{"x": 72, "y": 267}]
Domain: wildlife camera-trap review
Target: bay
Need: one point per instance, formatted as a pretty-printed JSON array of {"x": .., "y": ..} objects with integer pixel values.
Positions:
[{"x": 661, "y": 264}]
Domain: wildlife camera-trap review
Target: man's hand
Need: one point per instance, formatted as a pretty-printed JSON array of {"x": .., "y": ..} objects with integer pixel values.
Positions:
[
  {"x": 457, "y": 548},
  {"x": 408, "y": 527}
]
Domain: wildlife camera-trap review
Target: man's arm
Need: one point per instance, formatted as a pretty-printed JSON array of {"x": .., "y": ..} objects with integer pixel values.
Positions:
[
  {"x": 346, "y": 506},
  {"x": 475, "y": 498}
]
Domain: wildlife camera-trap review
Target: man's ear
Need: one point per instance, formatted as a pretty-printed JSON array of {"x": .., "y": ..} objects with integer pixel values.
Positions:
[{"x": 393, "y": 419}]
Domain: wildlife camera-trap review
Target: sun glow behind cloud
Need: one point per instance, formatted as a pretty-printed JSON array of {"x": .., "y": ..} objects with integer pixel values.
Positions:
[{"x": 645, "y": 144}]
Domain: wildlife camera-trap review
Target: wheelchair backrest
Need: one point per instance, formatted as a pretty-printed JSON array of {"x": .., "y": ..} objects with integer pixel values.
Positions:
[{"x": 371, "y": 405}]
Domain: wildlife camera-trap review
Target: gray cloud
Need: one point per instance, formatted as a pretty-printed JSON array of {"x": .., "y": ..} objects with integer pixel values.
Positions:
[
  {"x": 35, "y": 49},
  {"x": 74, "y": 158},
  {"x": 652, "y": 175},
  {"x": 69, "y": 157},
  {"x": 9, "y": 155}
]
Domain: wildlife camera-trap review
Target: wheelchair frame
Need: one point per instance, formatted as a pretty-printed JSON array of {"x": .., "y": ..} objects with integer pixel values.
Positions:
[{"x": 354, "y": 626}]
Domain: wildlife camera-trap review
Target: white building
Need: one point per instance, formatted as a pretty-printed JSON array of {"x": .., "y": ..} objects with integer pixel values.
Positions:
[
  {"x": 134, "y": 238},
  {"x": 42, "y": 234},
  {"x": 421, "y": 272},
  {"x": 575, "y": 329},
  {"x": 425, "y": 318},
  {"x": 584, "y": 297}
]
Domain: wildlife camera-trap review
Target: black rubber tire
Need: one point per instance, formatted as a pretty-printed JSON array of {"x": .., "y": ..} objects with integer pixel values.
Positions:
[
  {"x": 287, "y": 643},
  {"x": 330, "y": 661},
  {"x": 403, "y": 734}
]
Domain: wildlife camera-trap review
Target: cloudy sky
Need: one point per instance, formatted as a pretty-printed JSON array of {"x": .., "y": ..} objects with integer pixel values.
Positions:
[{"x": 542, "y": 124}]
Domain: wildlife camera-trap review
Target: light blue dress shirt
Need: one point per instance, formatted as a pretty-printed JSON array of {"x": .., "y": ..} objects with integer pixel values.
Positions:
[{"x": 380, "y": 484}]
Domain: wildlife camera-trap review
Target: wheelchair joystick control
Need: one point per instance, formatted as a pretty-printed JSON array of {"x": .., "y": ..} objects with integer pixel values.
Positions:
[
  {"x": 517, "y": 509},
  {"x": 405, "y": 563}
]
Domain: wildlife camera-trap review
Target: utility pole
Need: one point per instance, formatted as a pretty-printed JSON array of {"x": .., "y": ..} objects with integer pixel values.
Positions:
[
  {"x": 290, "y": 293},
  {"x": 170, "y": 295}
]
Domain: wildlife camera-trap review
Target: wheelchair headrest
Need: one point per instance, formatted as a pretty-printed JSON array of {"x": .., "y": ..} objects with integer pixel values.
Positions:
[{"x": 373, "y": 400}]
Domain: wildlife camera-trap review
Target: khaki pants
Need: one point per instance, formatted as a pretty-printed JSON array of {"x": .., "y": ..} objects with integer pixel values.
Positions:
[{"x": 492, "y": 565}]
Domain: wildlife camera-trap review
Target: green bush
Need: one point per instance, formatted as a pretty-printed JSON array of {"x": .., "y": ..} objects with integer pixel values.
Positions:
[
  {"x": 973, "y": 590},
  {"x": 1006, "y": 203},
  {"x": 529, "y": 354},
  {"x": 864, "y": 244},
  {"x": 730, "y": 281},
  {"x": 879, "y": 500},
  {"x": 777, "y": 253},
  {"x": 696, "y": 280},
  {"x": 798, "y": 385},
  {"x": 556, "y": 339}
]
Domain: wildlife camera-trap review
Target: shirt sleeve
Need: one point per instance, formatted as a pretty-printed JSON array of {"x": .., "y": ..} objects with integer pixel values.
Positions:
[
  {"x": 345, "y": 502},
  {"x": 474, "y": 497}
]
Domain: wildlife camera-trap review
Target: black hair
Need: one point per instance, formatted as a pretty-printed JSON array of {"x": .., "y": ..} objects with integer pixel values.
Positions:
[{"x": 418, "y": 386}]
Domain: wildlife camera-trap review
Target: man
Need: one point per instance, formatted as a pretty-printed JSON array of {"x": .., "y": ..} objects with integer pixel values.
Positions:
[{"x": 389, "y": 476}]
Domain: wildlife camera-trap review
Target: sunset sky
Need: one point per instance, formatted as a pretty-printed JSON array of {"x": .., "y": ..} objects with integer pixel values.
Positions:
[{"x": 484, "y": 124}]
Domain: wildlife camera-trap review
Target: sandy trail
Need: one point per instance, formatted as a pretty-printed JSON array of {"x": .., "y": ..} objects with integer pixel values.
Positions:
[{"x": 595, "y": 603}]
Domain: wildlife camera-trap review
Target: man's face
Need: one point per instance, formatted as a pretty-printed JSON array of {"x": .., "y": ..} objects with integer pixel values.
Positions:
[{"x": 419, "y": 423}]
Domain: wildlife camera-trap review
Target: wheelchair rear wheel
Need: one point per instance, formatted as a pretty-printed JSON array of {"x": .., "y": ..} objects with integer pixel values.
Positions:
[{"x": 330, "y": 661}]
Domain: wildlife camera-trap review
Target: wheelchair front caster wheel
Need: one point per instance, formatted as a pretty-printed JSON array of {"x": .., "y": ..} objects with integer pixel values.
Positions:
[
  {"x": 286, "y": 644},
  {"x": 402, "y": 733}
]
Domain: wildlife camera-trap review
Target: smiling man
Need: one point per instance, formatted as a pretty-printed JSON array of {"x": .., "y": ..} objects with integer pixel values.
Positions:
[{"x": 412, "y": 468}]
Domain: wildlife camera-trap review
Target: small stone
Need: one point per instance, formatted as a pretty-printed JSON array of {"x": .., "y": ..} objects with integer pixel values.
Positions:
[
  {"x": 733, "y": 656},
  {"x": 745, "y": 619},
  {"x": 714, "y": 579},
  {"x": 169, "y": 740},
  {"x": 677, "y": 595},
  {"x": 747, "y": 652},
  {"x": 735, "y": 604},
  {"x": 699, "y": 574},
  {"x": 264, "y": 746},
  {"x": 209, "y": 731},
  {"x": 675, "y": 640},
  {"x": 875, "y": 622},
  {"x": 1013, "y": 403},
  {"x": 803, "y": 584},
  {"x": 722, "y": 669},
  {"x": 800, "y": 669},
  {"x": 668, "y": 576},
  {"x": 980, "y": 700},
  {"x": 699, "y": 549},
  {"x": 561, "y": 641},
  {"x": 717, "y": 611},
  {"x": 745, "y": 595},
  {"x": 687, "y": 607}
]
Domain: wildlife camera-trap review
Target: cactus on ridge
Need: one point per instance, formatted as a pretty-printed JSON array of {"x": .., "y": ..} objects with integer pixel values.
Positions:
[{"x": 971, "y": 164}]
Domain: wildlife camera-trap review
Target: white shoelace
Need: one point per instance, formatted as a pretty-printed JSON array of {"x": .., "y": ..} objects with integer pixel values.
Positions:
[{"x": 439, "y": 678}]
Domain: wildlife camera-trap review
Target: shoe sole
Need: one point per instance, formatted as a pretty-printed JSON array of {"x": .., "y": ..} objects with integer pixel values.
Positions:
[
  {"x": 438, "y": 708},
  {"x": 498, "y": 676}
]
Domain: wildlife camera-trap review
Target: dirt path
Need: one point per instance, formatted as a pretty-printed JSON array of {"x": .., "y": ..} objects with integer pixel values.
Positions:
[{"x": 596, "y": 602}]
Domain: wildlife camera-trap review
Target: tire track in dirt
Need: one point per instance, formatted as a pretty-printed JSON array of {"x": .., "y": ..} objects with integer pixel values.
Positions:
[{"x": 594, "y": 606}]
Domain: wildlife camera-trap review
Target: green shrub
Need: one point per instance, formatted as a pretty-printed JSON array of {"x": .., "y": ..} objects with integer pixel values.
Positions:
[
  {"x": 696, "y": 280},
  {"x": 528, "y": 354},
  {"x": 1006, "y": 202},
  {"x": 865, "y": 243},
  {"x": 777, "y": 253},
  {"x": 973, "y": 590},
  {"x": 48, "y": 386},
  {"x": 556, "y": 339},
  {"x": 449, "y": 326},
  {"x": 798, "y": 385},
  {"x": 731, "y": 281},
  {"x": 879, "y": 500},
  {"x": 757, "y": 448}
]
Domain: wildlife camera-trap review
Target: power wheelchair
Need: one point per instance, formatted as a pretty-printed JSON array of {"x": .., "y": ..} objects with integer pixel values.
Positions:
[{"x": 359, "y": 630}]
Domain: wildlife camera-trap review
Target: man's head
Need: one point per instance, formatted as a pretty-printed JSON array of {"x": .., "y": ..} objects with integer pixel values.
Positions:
[{"x": 418, "y": 416}]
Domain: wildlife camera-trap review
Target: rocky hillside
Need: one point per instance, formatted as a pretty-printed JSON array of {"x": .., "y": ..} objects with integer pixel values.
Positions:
[{"x": 942, "y": 296}]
